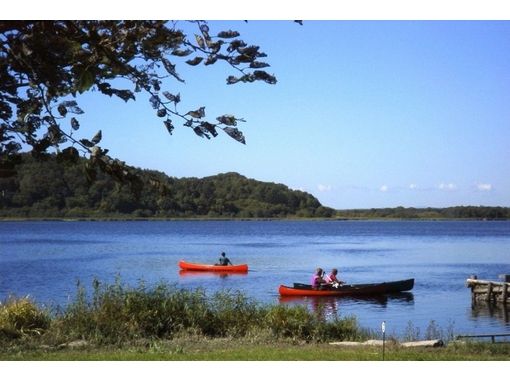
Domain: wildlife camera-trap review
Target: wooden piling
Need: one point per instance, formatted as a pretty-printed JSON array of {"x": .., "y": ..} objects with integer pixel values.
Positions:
[
  {"x": 489, "y": 292},
  {"x": 504, "y": 293}
]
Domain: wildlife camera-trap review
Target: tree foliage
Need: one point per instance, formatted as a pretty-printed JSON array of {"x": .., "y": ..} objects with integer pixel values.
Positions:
[
  {"x": 45, "y": 64},
  {"x": 455, "y": 212},
  {"x": 52, "y": 189}
]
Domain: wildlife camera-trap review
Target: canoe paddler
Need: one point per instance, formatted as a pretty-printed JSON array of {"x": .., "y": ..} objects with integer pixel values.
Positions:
[
  {"x": 333, "y": 280},
  {"x": 317, "y": 279},
  {"x": 224, "y": 260}
]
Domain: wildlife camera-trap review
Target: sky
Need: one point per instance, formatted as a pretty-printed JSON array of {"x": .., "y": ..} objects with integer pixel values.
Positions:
[{"x": 365, "y": 114}]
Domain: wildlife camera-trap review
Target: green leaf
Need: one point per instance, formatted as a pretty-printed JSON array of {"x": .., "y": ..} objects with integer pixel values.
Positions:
[
  {"x": 170, "y": 68},
  {"x": 200, "y": 41},
  {"x": 258, "y": 65},
  {"x": 199, "y": 113},
  {"x": 169, "y": 126},
  {"x": 228, "y": 34},
  {"x": 214, "y": 46},
  {"x": 161, "y": 112},
  {"x": 72, "y": 107},
  {"x": 97, "y": 138},
  {"x": 124, "y": 94},
  {"x": 62, "y": 110},
  {"x": 69, "y": 103},
  {"x": 200, "y": 132},
  {"x": 211, "y": 128},
  {"x": 227, "y": 120},
  {"x": 235, "y": 133},
  {"x": 156, "y": 84},
  {"x": 173, "y": 98},
  {"x": 85, "y": 81},
  {"x": 75, "y": 124},
  {"x": 77, "y": 110},
  {"x": 155, "y": 101},
  {"x": 262, "y": 75},
  {"x": 195, "y": 61},
  {"x": 86, "y": 143},
  {"x": 182, "y": 53},
  {"x": 211, "y": 60},
  {"x": 232, "y": 79},
  {"x": 235, "y": 45}
]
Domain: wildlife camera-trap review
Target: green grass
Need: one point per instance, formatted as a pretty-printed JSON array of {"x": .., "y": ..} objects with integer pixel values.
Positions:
[
  {"x": 242, "y": 350},
  {"x": 118, "y": 315},
  {"x": 118, "y": 322}
]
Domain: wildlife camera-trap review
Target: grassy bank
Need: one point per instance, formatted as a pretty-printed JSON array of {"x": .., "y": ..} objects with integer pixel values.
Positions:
[
  {"x": 228, "y": 349},
  {"x": 120, "y": 315},
  {"x": 118, "y": 322}
]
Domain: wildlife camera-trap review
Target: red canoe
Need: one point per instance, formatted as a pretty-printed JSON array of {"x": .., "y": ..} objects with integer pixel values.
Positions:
[
  {"x": 213, "y": 268},
  {"x": 348, "y": 290}
]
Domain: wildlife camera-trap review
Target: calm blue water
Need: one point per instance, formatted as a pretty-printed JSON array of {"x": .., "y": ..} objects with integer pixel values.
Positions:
[{"x": 46, "y": 259}]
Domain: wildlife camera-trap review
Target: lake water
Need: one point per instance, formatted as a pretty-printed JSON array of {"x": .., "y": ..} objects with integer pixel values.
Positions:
[{"x": 46, "y": 259}]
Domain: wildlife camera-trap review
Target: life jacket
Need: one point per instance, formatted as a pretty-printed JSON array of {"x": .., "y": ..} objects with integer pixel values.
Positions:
[{"x": 315, "y": 280}]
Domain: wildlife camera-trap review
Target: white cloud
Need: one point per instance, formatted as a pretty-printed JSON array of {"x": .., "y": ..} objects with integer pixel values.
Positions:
[
  {"x": 484, "y": 186},
  {"x": 383, "y": 188},
  {"x": 323, "y": 188},
  {"x": 447, "y": 186},
  {"x": 413, "y": 186}
]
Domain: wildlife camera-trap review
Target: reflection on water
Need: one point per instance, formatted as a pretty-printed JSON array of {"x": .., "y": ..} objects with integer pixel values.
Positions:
[
  {"x": 205, "y": 274},
  {"x": 329, "y": 306},
  {"x": 483, "y": 310}
]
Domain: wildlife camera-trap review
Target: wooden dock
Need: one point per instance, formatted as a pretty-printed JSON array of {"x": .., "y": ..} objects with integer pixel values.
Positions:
[
  {"x": 489, "y": 291},
  {"x": 492, "y": 336}
]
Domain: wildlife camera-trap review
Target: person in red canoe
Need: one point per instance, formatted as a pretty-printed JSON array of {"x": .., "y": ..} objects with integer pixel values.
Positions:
[
  {"x": 317, "y": 279},
  {"x": 224, "y": 260},
  {"x": 332, "y": 279}
]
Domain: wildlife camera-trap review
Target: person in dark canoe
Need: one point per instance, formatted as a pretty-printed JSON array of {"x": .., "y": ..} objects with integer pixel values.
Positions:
[
  {"x": 224, "y": 260},
  {"x": 317, "y": 279},
  {"x": 332, "y": 279}
]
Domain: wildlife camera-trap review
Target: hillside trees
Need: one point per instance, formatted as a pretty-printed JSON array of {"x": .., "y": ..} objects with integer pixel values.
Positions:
[
  {"x": 45, "y": 64},
  {"x": 52, "y": 189}
]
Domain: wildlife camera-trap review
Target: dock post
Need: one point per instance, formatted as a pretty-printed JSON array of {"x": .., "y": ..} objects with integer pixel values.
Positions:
[
  {"x": 489, "y": 292},
  {"x": 504, "y": 293},
  {"x": 473, "y": 295}
]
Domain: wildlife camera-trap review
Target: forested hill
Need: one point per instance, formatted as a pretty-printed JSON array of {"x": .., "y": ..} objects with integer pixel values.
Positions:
[
  {"x": 456, "y": 212},
  {"x": 51, "y": 189}
]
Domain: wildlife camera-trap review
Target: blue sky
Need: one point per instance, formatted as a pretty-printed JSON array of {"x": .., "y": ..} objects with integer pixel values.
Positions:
[{"x": 364, "y": 114}]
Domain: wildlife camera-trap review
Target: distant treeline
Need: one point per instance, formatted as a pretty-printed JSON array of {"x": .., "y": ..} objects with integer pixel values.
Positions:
[
  {"x": 61, "y": 190},
  {"x": 457, "y": 212},
  {"x": 51, "y": 189}
]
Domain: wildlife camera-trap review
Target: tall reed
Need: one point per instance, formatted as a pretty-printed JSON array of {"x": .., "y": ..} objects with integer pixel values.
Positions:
[{"x": 117, "y": 313}]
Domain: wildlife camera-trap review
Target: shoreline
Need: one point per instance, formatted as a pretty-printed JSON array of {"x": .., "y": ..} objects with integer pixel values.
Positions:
[{"x": 205, "y": 219}]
